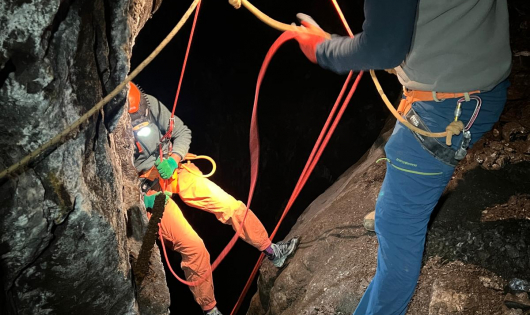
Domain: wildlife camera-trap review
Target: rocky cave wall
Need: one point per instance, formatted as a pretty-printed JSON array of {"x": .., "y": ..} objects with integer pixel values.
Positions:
[{"x": 72, "y": 220}]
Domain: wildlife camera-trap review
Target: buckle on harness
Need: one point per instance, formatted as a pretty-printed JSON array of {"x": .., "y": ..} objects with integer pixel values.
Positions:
[{"x": 146, "y": 184}]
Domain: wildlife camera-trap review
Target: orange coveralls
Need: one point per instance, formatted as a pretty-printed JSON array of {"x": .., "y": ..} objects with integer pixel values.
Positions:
[{"x": 201, "y": 193}]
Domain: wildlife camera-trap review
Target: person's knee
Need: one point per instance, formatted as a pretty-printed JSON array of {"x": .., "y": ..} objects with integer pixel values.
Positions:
[{"x": 195, "y": 253}]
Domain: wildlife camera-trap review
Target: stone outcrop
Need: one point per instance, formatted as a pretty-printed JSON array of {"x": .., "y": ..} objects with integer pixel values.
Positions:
[
  {"x": 72, "y": 222},
  {"x": 468, "y": 260}
]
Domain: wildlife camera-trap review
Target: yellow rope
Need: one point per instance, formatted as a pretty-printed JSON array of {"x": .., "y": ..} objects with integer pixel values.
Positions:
[
  {"x": 452, "y": 129},
  {"x": 55, "y": 140},
  {"x": 190, "y": 157},
  {"x": 273, "y": 23}
]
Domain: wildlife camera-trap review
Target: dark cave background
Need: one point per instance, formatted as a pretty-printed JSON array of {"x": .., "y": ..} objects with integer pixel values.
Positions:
[{"x": 216, "y": 103}]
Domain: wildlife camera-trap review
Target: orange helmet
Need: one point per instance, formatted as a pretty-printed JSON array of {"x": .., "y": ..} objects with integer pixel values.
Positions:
[
  {"x": 138, "y": 108},
  {"x": 135, "y": 97}
]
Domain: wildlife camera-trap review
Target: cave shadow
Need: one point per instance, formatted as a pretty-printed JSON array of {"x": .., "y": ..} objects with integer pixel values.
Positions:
[
  {"x": 493, "y": 187},
  {"x": 457, "y": 233}
]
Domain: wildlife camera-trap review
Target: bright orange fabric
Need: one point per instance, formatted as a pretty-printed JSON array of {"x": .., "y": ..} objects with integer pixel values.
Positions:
[
  {"x": 201, "y": 193},
  {"x": 412, "y": 96},
  {"x": 181, "y": 237}
]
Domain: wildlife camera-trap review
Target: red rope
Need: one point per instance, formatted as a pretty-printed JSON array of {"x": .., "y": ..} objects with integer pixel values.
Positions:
[
  {"x": 167, "y": 136},
  {"x": 163, "y": 183},
  {"x": 254, "y": 162},
  {"x": 186, "y": 58},
  {"x": 318, "y": 148}
]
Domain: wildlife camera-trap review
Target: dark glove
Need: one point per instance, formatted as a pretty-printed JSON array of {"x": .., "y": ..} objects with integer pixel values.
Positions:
[{"x": 167, "y": 167}]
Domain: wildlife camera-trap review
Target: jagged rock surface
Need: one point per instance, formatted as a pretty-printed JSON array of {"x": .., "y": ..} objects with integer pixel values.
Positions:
[{"x": 70, "y": 223}]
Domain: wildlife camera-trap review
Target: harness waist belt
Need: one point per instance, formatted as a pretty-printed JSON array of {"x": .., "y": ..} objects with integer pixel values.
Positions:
[{"x": 412, "y": 96}]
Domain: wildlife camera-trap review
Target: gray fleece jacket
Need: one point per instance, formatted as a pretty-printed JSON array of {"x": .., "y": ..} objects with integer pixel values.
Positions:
[
  {"x": 435, "y": 45},
  {"x": 181, "y": 136}
]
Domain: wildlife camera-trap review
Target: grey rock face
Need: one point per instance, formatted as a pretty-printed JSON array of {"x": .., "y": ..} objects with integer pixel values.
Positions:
[{"x": 71, "y": 223}]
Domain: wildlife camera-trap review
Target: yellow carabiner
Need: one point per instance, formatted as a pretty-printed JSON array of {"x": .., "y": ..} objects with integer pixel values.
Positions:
[{"x": 190, "y": 157}]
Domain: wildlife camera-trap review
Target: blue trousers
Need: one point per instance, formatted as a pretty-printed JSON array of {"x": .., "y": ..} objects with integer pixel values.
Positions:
[{"x": 413, "y": 184}]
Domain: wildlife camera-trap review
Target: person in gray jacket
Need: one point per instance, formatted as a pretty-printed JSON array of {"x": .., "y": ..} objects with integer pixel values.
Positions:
[
  {"x": 150, "y": 120},
  {"x": 453, "y": 58}
]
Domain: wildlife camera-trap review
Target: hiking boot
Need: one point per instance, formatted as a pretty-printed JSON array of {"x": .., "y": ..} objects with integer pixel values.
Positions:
[
  {"x": 213, "y": 311},
  {"x": 282, "y": 250},
  {"x": 369, "y": 221}
]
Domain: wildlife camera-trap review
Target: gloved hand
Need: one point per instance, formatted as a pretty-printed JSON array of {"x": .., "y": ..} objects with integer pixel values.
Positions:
[
  {"x": 149, "y": 201},
  {"x": 167, "y": 167},
  {"x": 309, "y": 42}
]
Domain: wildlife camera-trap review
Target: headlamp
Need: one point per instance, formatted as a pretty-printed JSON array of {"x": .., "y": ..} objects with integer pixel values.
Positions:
[{"x": 142, "y": 130}]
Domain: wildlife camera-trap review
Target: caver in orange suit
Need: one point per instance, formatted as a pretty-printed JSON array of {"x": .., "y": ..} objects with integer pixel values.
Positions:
[
  {"x": 150, "y": 120},
  {"x": 202, "y": 193}
]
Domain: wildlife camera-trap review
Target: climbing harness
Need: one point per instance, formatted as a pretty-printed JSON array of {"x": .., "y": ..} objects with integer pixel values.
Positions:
[
  {"x": 152, "y": 182},
  {"x": 440, "y": 151},
  {"x": 413, "y": 96}
]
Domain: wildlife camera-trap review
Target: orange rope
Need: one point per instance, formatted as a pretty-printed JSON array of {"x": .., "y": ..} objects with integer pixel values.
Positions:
[{"x": 319, "y": 147}]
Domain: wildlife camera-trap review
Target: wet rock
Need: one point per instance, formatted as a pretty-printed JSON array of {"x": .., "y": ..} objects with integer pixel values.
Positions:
[
  {"x": 491, "y": 282},
  {"x": 497, "y": 146},
  {"x": 511, "y": 311},
  {"x": 511, "y": 130},
  {"x": 70, "y": 222},
  {"x": 456, "y": 288},
  {"x": 519, "y": 285},
  {"x": 496, "y": 133}
]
